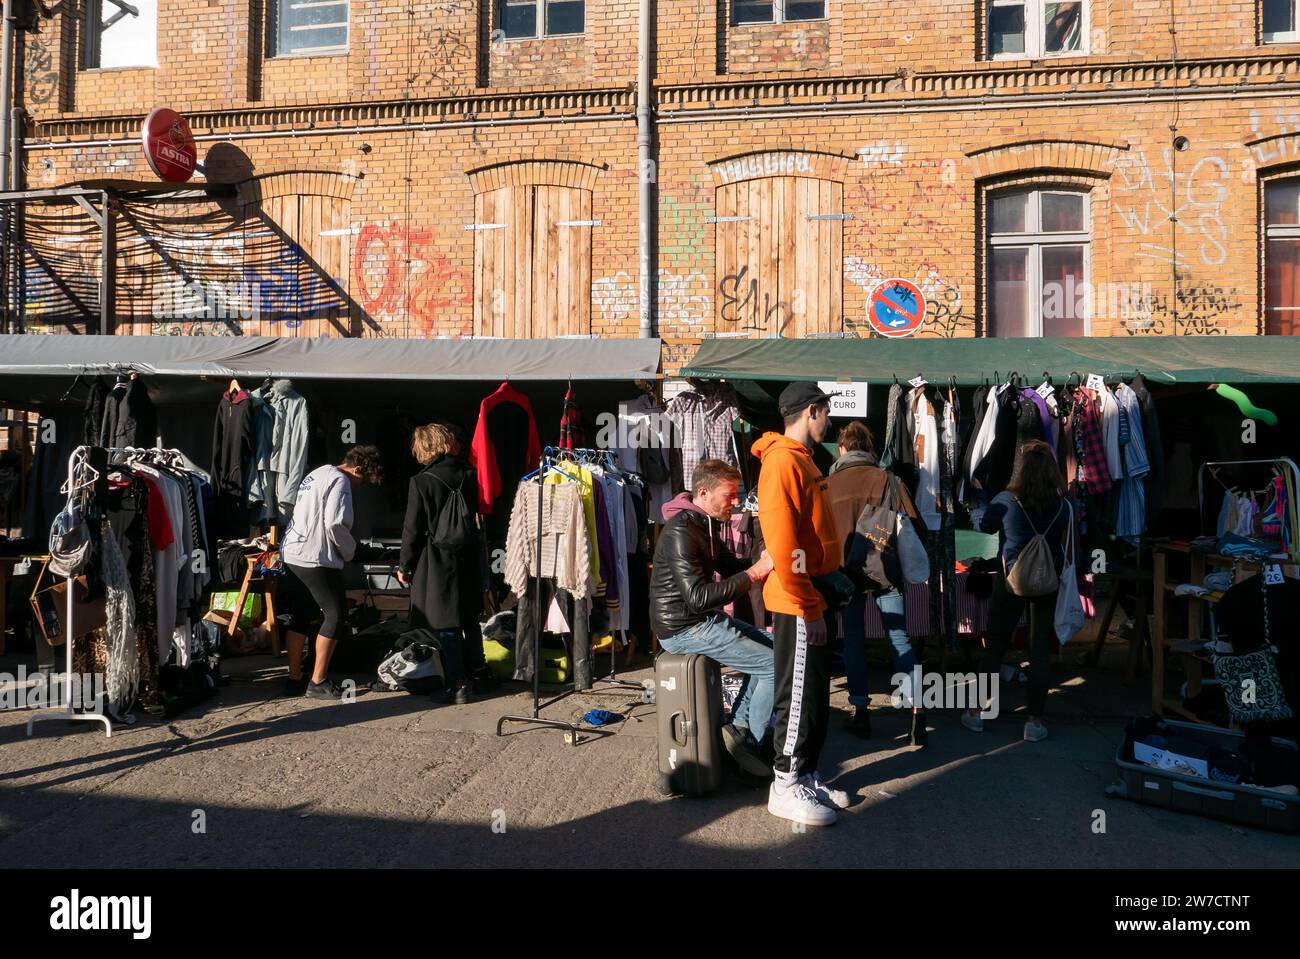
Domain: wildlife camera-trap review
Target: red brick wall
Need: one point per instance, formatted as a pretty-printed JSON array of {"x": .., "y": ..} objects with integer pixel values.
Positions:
[{"x": 389, "y": 228}]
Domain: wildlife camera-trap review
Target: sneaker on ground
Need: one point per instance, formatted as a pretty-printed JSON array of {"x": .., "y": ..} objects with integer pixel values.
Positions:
[
  {"x": 744, "y": 751},
  {"x": 859, "y": 721},
  {"x": 326, "y": 690},
  {"x": 827, "y": 796},
  {"x": 973, "y": 721},
  {"x": 798, "y": 802},
  {"x": 1035, "y": 732},
  {"x": 294, "y": 687}
]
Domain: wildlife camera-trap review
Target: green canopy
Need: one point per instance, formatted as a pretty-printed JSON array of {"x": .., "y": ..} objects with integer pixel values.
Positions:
[{"x": 1167, "y": 359}]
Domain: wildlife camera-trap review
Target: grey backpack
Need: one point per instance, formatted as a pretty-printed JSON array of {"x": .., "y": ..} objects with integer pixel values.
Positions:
[{"x": 1034, "y": 572}]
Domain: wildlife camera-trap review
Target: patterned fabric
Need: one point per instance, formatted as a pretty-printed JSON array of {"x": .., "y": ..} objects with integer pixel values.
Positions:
[
  {"x": 1093, "y": 466},
  {"x": 702, "y": 428},
  {"x": 1252, "y": 687}
]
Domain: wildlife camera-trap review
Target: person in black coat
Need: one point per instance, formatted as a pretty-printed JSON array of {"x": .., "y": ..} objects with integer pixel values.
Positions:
[{"x": 446, "y": 586}]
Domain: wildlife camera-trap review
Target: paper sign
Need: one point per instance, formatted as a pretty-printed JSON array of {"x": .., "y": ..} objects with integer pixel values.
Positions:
[
  {"x": 1273, "y": 575},
  {"x": 917, "y": 383},
  {"x": 1096, "y": 383},
  {"x": 852, "y": 400}
]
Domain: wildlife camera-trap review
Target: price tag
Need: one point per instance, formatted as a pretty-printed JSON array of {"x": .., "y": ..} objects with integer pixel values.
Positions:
[
  {"x": 1273, "y": 575},
  {"x": 1047, "y": 391},
  {"x": 1001, "y": 389},
  {"x": 1096, "y": 383},
  {"x": 917, "y": 383}
]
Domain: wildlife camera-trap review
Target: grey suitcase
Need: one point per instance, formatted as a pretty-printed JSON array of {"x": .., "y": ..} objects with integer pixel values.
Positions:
[{"x": 688, "y": 698}]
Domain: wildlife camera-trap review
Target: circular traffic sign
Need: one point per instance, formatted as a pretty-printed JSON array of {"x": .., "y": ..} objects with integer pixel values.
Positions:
[
  {"x": 896, "y": 308},
  {"x": 169, "y": 145}
]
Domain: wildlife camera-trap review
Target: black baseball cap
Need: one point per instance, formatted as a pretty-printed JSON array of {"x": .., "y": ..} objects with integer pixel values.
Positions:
[{"x": 799, "y": 396}]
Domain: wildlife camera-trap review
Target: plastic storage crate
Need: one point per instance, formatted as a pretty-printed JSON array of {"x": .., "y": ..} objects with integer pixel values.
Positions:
[{"x": 1237, "y": 803}]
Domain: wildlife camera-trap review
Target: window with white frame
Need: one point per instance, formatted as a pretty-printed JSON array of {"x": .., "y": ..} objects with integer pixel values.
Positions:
[
  {"x": 1280, "y": 21},
  {"x": 1039, "y": 245},
  {"x": 1029, "y": 29},
  {"x": 529, "y": 19},
  {"x": 776, "y": 11},
  {"x": 1282, "y": 258},
  {"x": 121, "y": 33},
  {"x": 309, "y": 28}
]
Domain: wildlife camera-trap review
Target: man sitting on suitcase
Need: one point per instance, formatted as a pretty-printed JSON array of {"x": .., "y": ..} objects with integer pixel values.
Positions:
[{"x": 686, "y": 600}]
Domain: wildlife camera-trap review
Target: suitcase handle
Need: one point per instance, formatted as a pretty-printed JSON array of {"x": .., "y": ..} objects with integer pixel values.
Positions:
[
  {"x": 1208, "y": 793},
  {"x": 675, "y": 721}
]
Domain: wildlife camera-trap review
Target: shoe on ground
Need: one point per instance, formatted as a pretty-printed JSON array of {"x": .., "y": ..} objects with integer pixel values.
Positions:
[
  {"x": 744, "y": 750},
  {"x": 973, "y": 721},
  {"x": 328, "y": 690},
  {"x": 858, "y": 722},
  {"x": 452, "y": 697},
  {"x": 798, "y": 802},
  {"x": 827, "y": 796},
  {"x": 1035, "y": 732},
  {"x": 461, "y": 696},
  {"x": 295, "y": 687}
]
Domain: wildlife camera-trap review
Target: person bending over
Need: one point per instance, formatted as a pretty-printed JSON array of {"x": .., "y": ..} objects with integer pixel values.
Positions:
[
  {"x": 686, "y": 603},
  {"x": 317, "y": 543}
]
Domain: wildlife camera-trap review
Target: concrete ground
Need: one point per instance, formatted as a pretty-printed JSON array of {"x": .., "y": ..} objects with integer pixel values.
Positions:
[{"x": 389, "y": 780}]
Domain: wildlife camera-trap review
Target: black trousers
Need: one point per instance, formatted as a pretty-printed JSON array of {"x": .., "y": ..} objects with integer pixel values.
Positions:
[
  {"x": 1005, "y": 610},
  {"x": 803, "y": 694},
  {"x": 575, "y": 613}
]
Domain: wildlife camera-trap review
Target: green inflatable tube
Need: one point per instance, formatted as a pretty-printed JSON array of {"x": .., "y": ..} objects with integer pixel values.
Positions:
[{"x": 1245, "y": 405}]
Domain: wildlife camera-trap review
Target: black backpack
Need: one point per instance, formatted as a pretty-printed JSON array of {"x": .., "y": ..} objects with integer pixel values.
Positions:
[{"x": 453, "y": 528}]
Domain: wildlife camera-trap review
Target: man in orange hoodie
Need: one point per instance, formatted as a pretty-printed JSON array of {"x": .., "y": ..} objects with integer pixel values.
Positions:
[{"x": 794, "y": 511}]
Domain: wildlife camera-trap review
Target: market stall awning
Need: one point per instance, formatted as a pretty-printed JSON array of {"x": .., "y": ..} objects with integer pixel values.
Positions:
[
  {"x": 1182, "y": 359},
  {"x": 39, "y": 368}
]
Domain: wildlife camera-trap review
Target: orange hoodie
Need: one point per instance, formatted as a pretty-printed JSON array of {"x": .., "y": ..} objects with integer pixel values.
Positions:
[{"x": 794, "y": 511}]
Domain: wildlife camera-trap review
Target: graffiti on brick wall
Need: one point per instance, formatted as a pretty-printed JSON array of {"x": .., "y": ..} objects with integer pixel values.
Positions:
[
  {"x": 1148, "y": 198},
  {"x": 881, "y": 156},
  {"x": 1281, "y": 123},
  {"x": 946, "y": 312},
  {"x": 683, "y": 298},
  {"x": 397, "y": 271},
  {"x": 40, "y": 69},
  {"x": 746, "y": 308},
  {"x": 1196, "y": 308}
]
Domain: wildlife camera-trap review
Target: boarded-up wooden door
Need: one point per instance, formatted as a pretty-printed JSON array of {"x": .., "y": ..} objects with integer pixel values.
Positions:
[
  {"x": 532, "y": 261},
  {"x": 779, "y": 255},
  {"x": 296, "y": 258}
]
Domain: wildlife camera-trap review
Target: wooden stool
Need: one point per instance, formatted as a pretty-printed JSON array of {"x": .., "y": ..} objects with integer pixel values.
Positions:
[{"x": 265, "y": 585}]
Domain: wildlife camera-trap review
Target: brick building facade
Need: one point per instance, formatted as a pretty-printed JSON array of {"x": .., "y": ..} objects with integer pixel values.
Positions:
[{"x": 1093, "y": 167}]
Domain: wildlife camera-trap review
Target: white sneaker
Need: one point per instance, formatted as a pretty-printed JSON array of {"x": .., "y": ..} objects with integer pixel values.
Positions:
[
  {"x": 1035, "y": 732},
  {"x": 825, "y": 794},
  {"x": 798, "y": 803},
  {"x": 975, "y": 723}
]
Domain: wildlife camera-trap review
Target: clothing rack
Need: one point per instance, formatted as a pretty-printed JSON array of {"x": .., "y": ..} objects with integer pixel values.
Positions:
[
  {"x": 573, "y": 732},
  {"x": 75, "y": 458}
]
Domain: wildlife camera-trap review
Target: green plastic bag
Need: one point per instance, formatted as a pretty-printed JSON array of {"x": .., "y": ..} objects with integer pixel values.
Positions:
[{"x": 252, "y": 611}]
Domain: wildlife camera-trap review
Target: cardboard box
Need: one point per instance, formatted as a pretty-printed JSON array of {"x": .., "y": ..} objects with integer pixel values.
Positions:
[{"x": 49, "y": 601}]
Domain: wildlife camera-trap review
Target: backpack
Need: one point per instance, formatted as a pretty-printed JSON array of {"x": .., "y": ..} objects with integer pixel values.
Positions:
[
  {"x": 415, "y": 665},
  {"x": 453, "y": 528},
  {"x": 1034, "y": 572}
]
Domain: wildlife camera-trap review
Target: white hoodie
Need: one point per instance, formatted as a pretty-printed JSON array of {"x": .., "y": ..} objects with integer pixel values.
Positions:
[{"x": 321, "y": 531}]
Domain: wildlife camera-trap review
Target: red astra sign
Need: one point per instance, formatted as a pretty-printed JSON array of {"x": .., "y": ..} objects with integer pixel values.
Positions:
[{"x": 169, "y": 145}]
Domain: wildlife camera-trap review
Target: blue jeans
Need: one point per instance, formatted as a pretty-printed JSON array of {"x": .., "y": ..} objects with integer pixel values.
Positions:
[
  {"x": 742, "y": 647},
  {"x": 893, "y": 613}
]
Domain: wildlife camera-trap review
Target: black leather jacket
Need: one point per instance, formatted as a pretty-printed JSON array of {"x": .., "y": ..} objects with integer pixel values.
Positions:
[{"x": 682, "y": 588}]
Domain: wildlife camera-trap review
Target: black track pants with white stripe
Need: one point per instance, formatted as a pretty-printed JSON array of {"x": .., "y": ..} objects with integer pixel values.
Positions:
[{"x": 803, "y": 694}]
